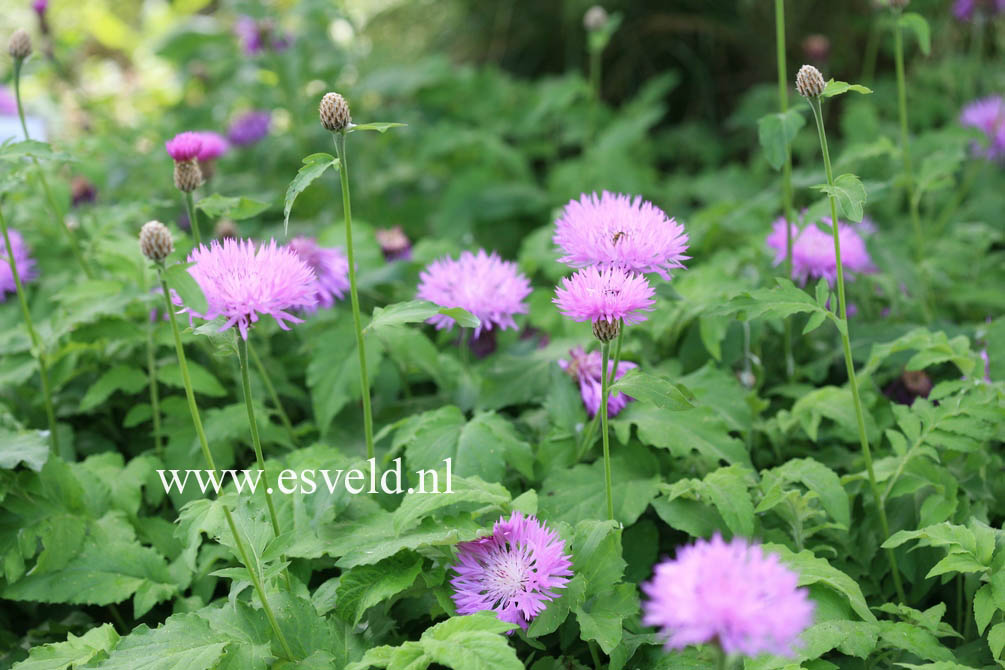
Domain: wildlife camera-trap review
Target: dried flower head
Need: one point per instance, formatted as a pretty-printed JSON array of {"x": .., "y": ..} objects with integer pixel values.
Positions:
[
  {"x": 249, "y": 128},
  {"x": 988, "y": 116},
  {"x": 184, "y": 146},
  {"x": 19, "y": 46},
  {"x": 604, "y": 296},
  {"x": 334, "y": 112},
  {"x": 595, "y": 18},
  {"x": 330, "y": 266},
  {"x": 586, "y": 369},
  {"x": 732, "y": 594},
  {"x": 155, "y": 241},
  {"x": 242, "y": 282},
  {"x": 484, "y": 284},
  {"x": 616, "y": 230},
  {"x": 813, "y": 250},
  {"x": 22, "y": 259},
  {"x": 809, "y": 82},
  {"x": 513, "y": 572}
]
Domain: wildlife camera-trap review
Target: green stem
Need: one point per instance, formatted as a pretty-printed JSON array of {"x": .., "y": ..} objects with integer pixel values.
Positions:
[
  {"x": 193, "y": 220},
  {"x": 256, "y": 440},
  {"x": 36, "y": 342},
  {"x": 871, "y": 51},
  {"x": 74, "y": 244},
  {"x": 595, "y": 65},
  {"x": 846, "y": 347},
  {"x": 604, "y": 392},
  {"x": 193, "y": 409},
  {"x": 594, "y": 655},
  {"x": 783, "y": 106},
  {"x": 339, "y": 138},
  {"x": 154, "y": 393},
  {"x": 273, "y": 395},
  {"x": 617, "y": 352},
  {"x": 905, "y": 140}
]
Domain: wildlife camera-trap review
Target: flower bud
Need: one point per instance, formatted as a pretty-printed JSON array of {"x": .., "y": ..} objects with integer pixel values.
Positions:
[
  {"x": 187, "y": 175},
  {"x": 334, "y": 111},
  {"x": 809, "y": 82},
  {"x": 605, "y": 330},
  {"x": 19, "y": 46},
  {"x": 595, "y": 18},
  {"x": 155, "y": 241}
]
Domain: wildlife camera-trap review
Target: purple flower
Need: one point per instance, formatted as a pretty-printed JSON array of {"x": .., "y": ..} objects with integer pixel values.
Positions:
[
  {"x": 25, "y": 263},
  {"x": 241, "y": 281},
  {"x": 616, "y": 230},
  {"x": 256, "y": 36},
  {"x": 964, "y": 9},
  {"x": 513, "y": 572},
  {"x": 484, "y": 284},
  {"x": 8, "y": 103},
  {"x": 732, "y": 594},
  {"x": 184, "y": 146},
  {"x": 330, "y": 266},
  {"x": 213, "y": 146},
  {"x": 813, "y": 250},
  {"x": 586, "y": 368},
  {"x": 394, "y": 243},
  {"x": 40, "y": 6},
  {"x": 988, "y": 116},
  {"x": 249, "y": 128},
  {"x": 592, "y": 294}
]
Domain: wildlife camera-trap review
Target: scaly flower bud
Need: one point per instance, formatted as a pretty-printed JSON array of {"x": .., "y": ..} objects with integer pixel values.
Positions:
[
  {"x": 809, "y": 82},
  {"x": 605, "y": 330},
  {"x": 595, "y": 18},
  {"x": 334, "y": 111},
  {"x": 19, "y": 46},
  {"x": 155, "y": 241},
  {"x": 187, "y": 176}
]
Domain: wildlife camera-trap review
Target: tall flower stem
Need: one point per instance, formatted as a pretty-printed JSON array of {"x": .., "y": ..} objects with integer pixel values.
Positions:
[
  {"x": 783, "y": 106},
  {"x": 343, "y": 170},
  {"x": 36, "y": 342},
  {"x": 193, "y": 220},
  {"x": 273, "y": 395},
  {"x": 905, "y": 140},
  {"x": 604, "y": 392},
  {"x": 242, "y": 352},
  {"x": 846, "y": 347},
  {"x": 617, "y": 352},
  {"x": 193, "y": 409},
  {"x": 50, "y": 200},
  {"x": 154, "y": 393}
]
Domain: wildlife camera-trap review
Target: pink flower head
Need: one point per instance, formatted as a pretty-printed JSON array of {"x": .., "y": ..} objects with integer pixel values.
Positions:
[
  {"x": 587, "y": 369},
  {"x": 213, "y": 145},
  {"x": 241, "y": 281},
  {"x": 730, "y": 593},
  {"x": 484, "y": 284},
  {"x": 8, "y": 103},
  {"x": 988, "y": 116},
  {"x": 592, "y": 294},
  {"x": 513, "y": 572},
  {"x": 40, "y": 6},
  {"x": 616, "y": 230},
  {"x": 813, "y": 250},
  {"x": 330, "y": 266},
  {"x": 184, "y": 146},
  {"x": 25, "y": 263}
]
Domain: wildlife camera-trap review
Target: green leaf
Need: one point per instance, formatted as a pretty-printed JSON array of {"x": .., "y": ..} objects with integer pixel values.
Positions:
[
  {"x": 701, "y": 430},
  {"x": 654, "y": 390},
  {"x": 996, "y": 639},
  {"x": 727, "y": 489},
  {"x": 779, "y": 302},
  {"x": 471, "y": 643},
  {"x": 495, "y": 440},
  {"x": 379, "y": 126},
  {"x": 815, "y": 570},
  {"x": 182, "y": 642},
  {"x": 202, "y": 379},
  {"x": 473, "y": 493},
  {"x": 15, "y": 151},
  {"x": 917, "y": 24},
  {"x": 366, "y": 585},
  {"x": 823, "y": 481},
  {"x": 775, "y": 132},
  {"x": 834, "y": 88},
  {"x": 850, "y": 194},
  {"x": 915, "y": 640},
  {"x": 602, "y": 618},
  {"x": 415, "y": 311},
  {"x": 75, "y": 652},
  {"x": 179, "y": 279},
  {"x": 315, "y": 165},
  {"x": 236, "y": 208},
  {"x": 125, "y": 378},
  {"x": 30, "y": 448},
  {"x": 984, "y": 608}
]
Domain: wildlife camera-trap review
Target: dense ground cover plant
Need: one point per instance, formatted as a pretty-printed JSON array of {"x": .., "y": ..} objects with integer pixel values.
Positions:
[{"x": 778, "y": 442}]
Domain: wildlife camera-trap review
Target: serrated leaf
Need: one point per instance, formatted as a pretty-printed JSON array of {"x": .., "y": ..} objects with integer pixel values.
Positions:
[
  {"x": 815, "y": 570},
  {"x": 775, "y": 132},
  {"x": 653, "y": 390},
  {"x": 75, "y": 652},
  {"x": 125, "y": 378},
  {"x": 364, "y": 586},
  {"x": 314, "y": 166},
  {"x": 984, "y": 608},
  {"x": 850, "y": 194},
  {"x": 917, "y": 24},
  {"x": 415, "y": 311},
  {"x": 183, "y": 642},
  {"x": 30, "y": 448},
  {"x": 178, "y": 278}
]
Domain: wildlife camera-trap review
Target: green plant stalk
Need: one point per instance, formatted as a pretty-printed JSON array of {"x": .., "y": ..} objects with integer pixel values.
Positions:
[
  {"x": 273, "y": 395},
  {"x": 595, "y": 65},
  {"x": 256, "y": 440},
  {"x": 846, "y": 347},
  {"x": 905, "y": 140},
  {"x": 783, "y": 106},
  {"x": 604, "y": 393},
  {"x": 617, "y": 352},
  {"x": 193, "y": 409},
  {"x": 343, "y": 170},
  {"x": 193, "y": 220},
  {"x": 36, "y": 342},
  {"x": 154, "y": 393},
  {"x": 74, "y": 244}
]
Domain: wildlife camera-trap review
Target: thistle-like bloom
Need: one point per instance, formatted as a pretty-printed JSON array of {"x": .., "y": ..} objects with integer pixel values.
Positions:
[
  {"x": 813, "y": 250},
  {"x": 964, "y": 10},
  {"x": 592, "y": 294},
  {"x": 484, "y": 284},
  {"x": 40, "y": 6},
  {"x": 329, "y": 264},
  {"x": 513, "y": 572},
  {"x": 25, "y": 263},
  {"x": 732, "y": 594},
  {"x": 616, "y": 230},
  {"x": 242, "y": 281},
  {"x": 213, "y": 145},
  {"x": 249, "y": 128},
  {"x": 587, "y": 370},
  {"x": 184, "y": 147},
  {"x": 988, "y": 116}
]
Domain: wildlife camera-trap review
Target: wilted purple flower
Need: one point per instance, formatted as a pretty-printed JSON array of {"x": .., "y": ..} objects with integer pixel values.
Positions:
[
  {"x": 25, "y": 263},
  {"x": 592, "y": 294},
  {"x": 394, "y": 243},
  {"x": 330, "y": 266},
  {"x": 8, "y": 103},
  {"x": 213, "y": 145},
  {"x": 615, "y": 230},
  {"x": 732, "y": 594},
  {"x": 184, "y": 146},
  {"x": 249, "y": 128},
  {"x": 484, "y": 284},
  {"x": 813, "y": 250},
  {"x": 241, "y": 281},
  {"x": 587, "y": 369},
  {"x": 964, "y": 9},
  {"x": 988, "y": 116},
  {"x": 513, "y": 572}
]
